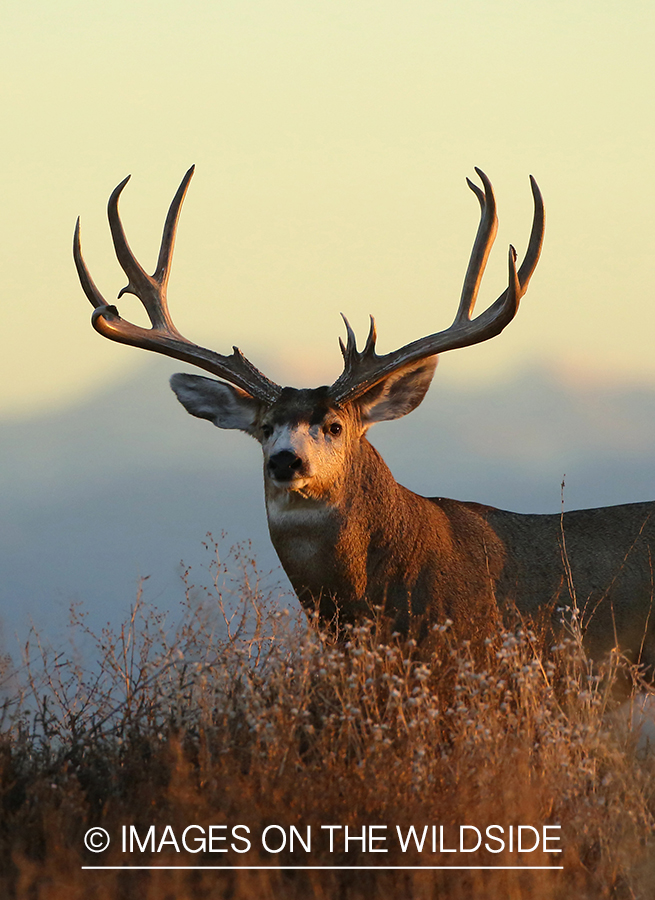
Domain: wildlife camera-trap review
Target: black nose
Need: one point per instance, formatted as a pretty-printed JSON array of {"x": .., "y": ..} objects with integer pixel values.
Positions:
[{"x": 284, "y": 465}]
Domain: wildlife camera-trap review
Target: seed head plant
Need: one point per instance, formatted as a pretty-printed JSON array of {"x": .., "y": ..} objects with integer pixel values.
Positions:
[{"x": 240, "y": 710}]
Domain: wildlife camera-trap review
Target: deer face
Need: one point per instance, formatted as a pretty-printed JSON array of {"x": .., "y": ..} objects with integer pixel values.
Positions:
[
  {"x": 306, "y": 439},
  {"x": 309, "y": 441}
]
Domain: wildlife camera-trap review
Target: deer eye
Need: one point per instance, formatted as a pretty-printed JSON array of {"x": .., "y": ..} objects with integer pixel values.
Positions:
[
  {"x": 267, "y": 430},
  {"x": 335, "y": 429}
]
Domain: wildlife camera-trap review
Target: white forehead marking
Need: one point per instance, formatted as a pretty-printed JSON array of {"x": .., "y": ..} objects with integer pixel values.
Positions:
[
  {"x": 291, "y": 437},
  {"x": 281, "y": 439}
]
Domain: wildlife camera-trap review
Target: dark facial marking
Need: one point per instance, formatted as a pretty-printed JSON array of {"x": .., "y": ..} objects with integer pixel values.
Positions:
[{"x": 310, "y": 405}]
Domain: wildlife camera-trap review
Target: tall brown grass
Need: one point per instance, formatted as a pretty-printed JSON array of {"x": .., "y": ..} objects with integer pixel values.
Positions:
[{"x": 255, "y": 716}]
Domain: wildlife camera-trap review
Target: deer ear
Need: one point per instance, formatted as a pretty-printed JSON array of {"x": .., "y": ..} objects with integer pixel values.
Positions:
[
  {"x": 398, "y": 394},
  {"x": 223, "y": 404}
]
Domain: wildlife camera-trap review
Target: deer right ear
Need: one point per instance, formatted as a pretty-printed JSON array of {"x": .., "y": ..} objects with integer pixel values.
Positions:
[
  {"x": 399, "y": 393},
  {"x": 224, "y": 405}
]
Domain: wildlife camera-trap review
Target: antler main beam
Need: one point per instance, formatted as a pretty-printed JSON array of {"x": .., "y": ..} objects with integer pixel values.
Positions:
[
  {"x": 163, "y": 337},
  {"x": 364, "y": 369}
]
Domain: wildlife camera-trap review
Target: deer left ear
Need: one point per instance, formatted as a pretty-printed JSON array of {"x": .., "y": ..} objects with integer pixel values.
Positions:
[{"x": 399, "y": 393}]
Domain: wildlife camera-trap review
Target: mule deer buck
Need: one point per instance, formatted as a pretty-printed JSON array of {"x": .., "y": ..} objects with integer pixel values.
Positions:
[{"x": 347, "y": 534}]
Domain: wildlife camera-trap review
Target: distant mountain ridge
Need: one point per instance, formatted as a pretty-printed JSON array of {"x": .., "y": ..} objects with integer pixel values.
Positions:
[{"x": 125, "y": 483}]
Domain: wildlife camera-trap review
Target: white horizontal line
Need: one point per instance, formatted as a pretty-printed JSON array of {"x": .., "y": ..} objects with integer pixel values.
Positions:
[{"x": 302, "y": 868}]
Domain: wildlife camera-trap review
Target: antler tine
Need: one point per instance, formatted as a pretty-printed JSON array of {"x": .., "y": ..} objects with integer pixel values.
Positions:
[
  {"x": 126, "y": 258},
  {"x": 495, "y": 317},
  {"x": 363, "y": 370},
  {"x": 350, "y": 350},
  {"x": 482, "y": 245},
  {"x": 535, "y": 243},
  {"x": 369, "y": 347},
  {"x": 163, "y": 270},
  {"x": 88, "y": 284},
  {"x": 163, "y": 337}
]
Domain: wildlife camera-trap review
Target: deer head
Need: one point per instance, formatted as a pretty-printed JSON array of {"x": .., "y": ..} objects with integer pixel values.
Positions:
[{"x": 306, "y": 435}]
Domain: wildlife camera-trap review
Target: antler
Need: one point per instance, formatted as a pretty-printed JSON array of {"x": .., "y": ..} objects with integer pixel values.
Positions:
[
  {"x": 163, "y": 337},
  {"x": 364, "y": 369}
]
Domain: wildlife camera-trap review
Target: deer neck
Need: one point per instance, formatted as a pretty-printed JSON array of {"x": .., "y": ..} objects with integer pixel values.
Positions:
[{"x": 328, "y": 544}]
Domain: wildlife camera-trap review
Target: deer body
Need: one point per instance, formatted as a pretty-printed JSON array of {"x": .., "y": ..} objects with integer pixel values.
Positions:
[
  {"x": 348, "y": 535},
  {"x": 363, "y": 540},
  {"x": 599, "y": 560},
  {"x": 427, "y": 559}
]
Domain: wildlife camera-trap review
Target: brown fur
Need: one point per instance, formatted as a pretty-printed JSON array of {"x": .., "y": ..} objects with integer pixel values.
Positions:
[
  {"x": 438, "y": 558},
  {"x": 351, "y": 538}
]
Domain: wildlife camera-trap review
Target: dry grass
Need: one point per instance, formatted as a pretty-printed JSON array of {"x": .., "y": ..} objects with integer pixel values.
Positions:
[{"x": 257, "y": 718}]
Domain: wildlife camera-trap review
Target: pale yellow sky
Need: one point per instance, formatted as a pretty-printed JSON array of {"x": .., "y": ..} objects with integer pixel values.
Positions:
[{"x": 331, "y": 140}]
